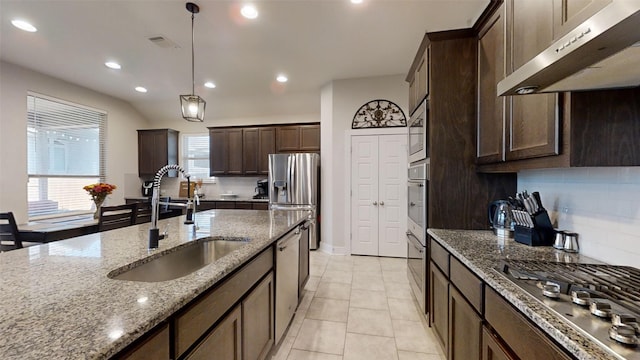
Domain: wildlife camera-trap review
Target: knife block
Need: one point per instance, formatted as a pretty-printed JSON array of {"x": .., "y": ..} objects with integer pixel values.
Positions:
[{"x": 541, "y": 234}]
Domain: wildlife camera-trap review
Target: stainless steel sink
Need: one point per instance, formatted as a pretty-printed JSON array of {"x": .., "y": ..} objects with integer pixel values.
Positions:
[{"x": 181, "y": 262}]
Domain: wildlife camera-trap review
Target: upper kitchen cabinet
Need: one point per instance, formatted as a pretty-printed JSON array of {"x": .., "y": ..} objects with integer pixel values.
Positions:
[
  {"x": 418, "y": 78},
  {"x": 520, "y": 127},
  {"x": 157, "y": 148},
  {"x": 257, "y": 144},
  {"x": 567, "y": 14},
  {"x": 225, "y": 151},
  {"x": 298, "y": 138}
]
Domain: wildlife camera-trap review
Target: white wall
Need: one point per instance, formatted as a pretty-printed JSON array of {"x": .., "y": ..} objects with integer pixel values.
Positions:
[
  {"x": 340, "y": 100},
  {"x": 122, "y": 138},
  {"x": 601, "y": 204}
]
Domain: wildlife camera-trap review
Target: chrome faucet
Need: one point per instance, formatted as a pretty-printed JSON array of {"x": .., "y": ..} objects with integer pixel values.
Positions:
[{"x": 154, "y": 232}]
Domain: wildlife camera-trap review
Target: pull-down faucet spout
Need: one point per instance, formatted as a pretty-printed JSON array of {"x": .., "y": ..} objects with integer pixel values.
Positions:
[{"x": 154, "y": 232}]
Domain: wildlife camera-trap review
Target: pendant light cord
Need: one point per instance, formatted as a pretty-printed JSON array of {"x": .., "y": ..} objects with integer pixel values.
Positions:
[{"x": 193, "y": 81}]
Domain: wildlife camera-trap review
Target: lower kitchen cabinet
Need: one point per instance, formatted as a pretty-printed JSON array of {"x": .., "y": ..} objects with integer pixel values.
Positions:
[
  {"x": 439, "y": 305},
  {"x": 492, "y": 349},
  {"x": 465, "y": 327},
  {"x": 258, "y": 321},
  {"x": 224, "y": 340},
  {"x": 153, "y": 346}
]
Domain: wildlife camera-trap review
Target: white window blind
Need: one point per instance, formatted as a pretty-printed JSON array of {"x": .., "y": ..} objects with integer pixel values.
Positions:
[
  {"x": 195, "y": 155},
  {"x": 66, "y": 151}
]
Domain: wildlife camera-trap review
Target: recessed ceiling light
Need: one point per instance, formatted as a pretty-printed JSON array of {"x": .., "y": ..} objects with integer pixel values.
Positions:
[
  {"x": 141, "y": 89},
  {"x": 282, "y": 78},
  {"x": 210, "y": 85},
  {"x": 249, "y": 11},
  {"x": 356, "y": 1},
  {"x": 23, "y": 25},
  {"x": 113, "y": 65}
]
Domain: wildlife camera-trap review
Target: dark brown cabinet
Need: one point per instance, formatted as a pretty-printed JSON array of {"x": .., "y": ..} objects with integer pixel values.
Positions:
[
  {"x": 155, "y": 345},
  {"x": 439, "y": 305},
  {"x": 492, "y": 347},
  {"x": 298, "y": 138},
  {"x": 225, "y": 340},
  {"x": 157, "y": 148},
  {"x": 225, "y": 151},
  {"x": 419, "y": 80},
  {"x": 258, "y": 321},
  {"x": 257, "y": 144},
  {"x": 465, "y": 328}
]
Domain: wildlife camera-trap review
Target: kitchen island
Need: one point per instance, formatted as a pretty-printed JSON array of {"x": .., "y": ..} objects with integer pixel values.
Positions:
[
  {"x": 482, "y": 253},
  {"x": 57, "y": 301}
]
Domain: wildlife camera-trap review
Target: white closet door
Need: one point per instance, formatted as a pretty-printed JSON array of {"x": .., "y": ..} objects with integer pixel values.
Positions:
[
  {"x": 364, "y": 196},
  {"x": 392, "y": 195}
]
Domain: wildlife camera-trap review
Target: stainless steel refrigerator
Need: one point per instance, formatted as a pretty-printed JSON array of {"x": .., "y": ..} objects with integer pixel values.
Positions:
[{"x": 294, "y": 184}]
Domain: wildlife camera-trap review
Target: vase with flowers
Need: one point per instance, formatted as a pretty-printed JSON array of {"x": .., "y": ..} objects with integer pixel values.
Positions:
[{"x": 99, "y": 192}]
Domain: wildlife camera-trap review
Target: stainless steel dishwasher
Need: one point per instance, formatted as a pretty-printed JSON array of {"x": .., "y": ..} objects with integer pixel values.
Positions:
[{"x": 287, "y": 255}]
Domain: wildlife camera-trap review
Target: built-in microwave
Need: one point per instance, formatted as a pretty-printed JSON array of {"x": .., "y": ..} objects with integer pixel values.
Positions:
[{"x": 419, "y": 133}]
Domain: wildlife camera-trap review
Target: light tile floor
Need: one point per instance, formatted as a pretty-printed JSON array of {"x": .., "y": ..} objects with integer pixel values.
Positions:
[{"x": 358, "y": 307}]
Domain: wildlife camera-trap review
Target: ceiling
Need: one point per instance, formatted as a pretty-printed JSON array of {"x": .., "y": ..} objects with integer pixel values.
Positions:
[{"x": 311, "y": 41}]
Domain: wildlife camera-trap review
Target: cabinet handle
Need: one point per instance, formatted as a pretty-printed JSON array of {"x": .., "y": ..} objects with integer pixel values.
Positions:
[
  {"x": 412, "y": 204},
  {"x": 375, "y": 203},
  {"x": 381, "y": 203}
]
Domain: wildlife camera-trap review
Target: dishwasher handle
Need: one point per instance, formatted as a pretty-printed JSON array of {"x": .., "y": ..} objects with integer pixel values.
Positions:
[{"x": 293, "y": 236}]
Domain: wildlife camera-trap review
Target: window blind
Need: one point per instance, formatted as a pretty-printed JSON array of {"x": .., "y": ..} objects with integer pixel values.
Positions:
[
  {"x": 195, "y": 155},
  {"x": 65, "y": 151}
]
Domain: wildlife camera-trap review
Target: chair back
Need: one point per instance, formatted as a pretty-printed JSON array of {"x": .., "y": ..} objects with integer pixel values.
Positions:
[
  {"x": 114, "y": 217},
  {"x": 144, "y": 209},
  {"x": 9, "y": 235}
]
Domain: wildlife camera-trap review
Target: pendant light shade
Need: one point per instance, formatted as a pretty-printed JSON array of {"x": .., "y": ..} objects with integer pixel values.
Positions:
[{"x": 192, "y": 105}]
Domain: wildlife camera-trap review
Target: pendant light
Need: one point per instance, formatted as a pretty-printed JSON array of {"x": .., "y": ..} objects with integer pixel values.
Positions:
[{"x": 192, "y": 105}]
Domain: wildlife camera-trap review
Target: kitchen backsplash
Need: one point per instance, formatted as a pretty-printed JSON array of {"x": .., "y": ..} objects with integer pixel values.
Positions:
[
  {"x": 242, "y": 186},
  {"x": 601, "y": 204}
]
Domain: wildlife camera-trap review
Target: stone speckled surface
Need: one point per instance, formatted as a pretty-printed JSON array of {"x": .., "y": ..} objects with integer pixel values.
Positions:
[
  {"x": 481, "y": 252},
  {"x": 58, "y": 303}
]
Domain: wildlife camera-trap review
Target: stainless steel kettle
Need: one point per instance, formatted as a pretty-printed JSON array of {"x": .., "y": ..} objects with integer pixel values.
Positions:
[{"x": 501, "y": 218}]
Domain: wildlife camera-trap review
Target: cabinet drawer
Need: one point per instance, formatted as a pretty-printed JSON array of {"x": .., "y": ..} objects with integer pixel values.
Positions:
[
  {"x": 197, "y": 318},
  {"x": 440, "y": 256},
  {"x": 225, "y": 204},
  {"x": 244, "y": 205},
  {"x": 154, "y": 346},
  {"x": 260, "y": 206},
  {"x": 469, "y": 285},
  {"x": 526, "y": 341}
]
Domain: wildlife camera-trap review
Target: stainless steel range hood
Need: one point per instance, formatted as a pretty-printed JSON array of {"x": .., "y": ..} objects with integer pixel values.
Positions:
[{"x": 602, "y": 52}]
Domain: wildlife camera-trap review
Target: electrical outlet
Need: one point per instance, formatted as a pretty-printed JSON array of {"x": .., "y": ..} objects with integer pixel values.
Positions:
[{"x": 565, "y": 210}]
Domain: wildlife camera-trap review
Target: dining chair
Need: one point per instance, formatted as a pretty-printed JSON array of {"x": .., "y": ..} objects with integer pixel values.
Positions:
[
  {"x": 114, "y": 217},
  {"x": 9, "y": 235},
  {"x": 144, "y": 209}
]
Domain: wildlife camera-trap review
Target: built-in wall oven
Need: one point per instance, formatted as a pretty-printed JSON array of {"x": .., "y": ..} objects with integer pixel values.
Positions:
[
  {"x": 417, "y": 254},
  {"x": 419, "y": 133}
]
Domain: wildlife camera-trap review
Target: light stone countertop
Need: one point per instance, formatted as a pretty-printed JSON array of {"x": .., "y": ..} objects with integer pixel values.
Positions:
[
  {"x": 204, "y": 199},
  {"x": 56, "y": 301},
  {"x": 481, "y": 251}
]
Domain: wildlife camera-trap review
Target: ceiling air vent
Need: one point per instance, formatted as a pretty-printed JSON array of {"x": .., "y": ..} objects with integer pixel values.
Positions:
[{"x": 163, "y": 42}]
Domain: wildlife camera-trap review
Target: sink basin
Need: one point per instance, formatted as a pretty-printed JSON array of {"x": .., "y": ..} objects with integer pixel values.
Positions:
[{"x": 183, "y": 261}]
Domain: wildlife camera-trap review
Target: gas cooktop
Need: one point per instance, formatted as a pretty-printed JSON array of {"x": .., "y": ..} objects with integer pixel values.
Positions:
[{"x": 601, "y": 301}]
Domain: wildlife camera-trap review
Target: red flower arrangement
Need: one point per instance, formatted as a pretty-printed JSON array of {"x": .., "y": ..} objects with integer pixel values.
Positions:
[{"x": 99, "y": 191}]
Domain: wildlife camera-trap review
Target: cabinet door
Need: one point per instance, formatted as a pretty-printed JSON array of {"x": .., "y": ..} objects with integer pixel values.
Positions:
[
  {"x": 392, "y": 195},
  {"x": 244, "y": 205},
  {"x": 491, "y": 107},
  {"x": 224, "y": 341},
  {"x": 157, "y": 148},
  {"x": 492, "y": 349},
  {"x": 439, "y": 305},
  {"x": 235, "y": 152},
  {"x": 465, "y": 328},
  {"x": 422, "y": 75},
  {"x": 309, "y": 138},
  {"x": 568, "y": 14},
  {"x": 260, "y": 206},
  {"x": 267, "y": 145},
  {"x": 287, "y": 139},
  {"x": 250, "y": 144},
  {"x": 218, "y": 152},
  {"x": 154, "y": 346},
  {"x": 364, "y": 195},
  {"x": 146, "y": 153},
  {"x": 257, "y": 321},
  {"x": 532, "y": 128}
]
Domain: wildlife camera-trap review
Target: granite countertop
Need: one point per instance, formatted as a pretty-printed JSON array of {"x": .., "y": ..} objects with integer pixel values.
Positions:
[
  {"x": 481, "y": 251},
  {"x": 58, "y": 303}
]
